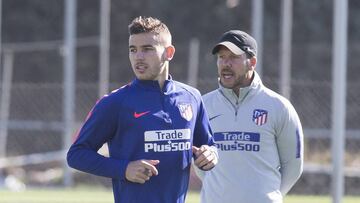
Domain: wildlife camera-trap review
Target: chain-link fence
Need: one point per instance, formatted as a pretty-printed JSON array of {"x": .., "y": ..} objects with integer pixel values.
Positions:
[{"x": 35, "y": 92}]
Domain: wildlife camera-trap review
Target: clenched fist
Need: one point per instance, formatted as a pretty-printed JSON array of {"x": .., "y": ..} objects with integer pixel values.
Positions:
[{"x": 140, "y": 171}]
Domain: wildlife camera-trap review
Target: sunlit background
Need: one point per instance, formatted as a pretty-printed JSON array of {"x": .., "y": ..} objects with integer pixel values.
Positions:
[{"x": 57, "y": 60}]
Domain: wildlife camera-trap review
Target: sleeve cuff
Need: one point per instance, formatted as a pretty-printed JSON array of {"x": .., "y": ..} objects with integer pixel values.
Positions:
[{"x": 122, "y": 169}]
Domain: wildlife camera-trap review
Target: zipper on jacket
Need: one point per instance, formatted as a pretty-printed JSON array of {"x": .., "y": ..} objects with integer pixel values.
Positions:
[
  {"x": 236, "y": 109},
  {"x": 166, "y": 116},
  {"x": 235, "y": 106}
]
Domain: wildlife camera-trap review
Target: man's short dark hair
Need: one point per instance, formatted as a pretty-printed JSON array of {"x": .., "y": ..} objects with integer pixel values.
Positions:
[{"x": 143, "y": 24}]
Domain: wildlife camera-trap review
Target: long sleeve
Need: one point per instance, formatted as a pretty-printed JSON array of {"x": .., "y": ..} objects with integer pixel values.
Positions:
[
  {"x": 290, "y": 147},
  {"x": 203, "y": 132},
  {"x": 98, "y": 129}
]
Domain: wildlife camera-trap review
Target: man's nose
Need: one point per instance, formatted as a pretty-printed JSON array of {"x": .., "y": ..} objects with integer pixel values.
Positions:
[
  {"x": 226, "y": 62},
  {"x": 139, "y": 55}
]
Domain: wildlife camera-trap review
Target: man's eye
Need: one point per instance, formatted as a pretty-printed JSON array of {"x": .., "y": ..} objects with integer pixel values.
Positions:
[
  {"x": 235, "y": 57},
  {"x": 132, "y": 50},
  {"x": 148, "y": 49}
]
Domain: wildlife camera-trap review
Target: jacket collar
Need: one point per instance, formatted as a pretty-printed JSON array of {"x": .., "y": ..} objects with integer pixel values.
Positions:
[{"x": 153, "y": 85}]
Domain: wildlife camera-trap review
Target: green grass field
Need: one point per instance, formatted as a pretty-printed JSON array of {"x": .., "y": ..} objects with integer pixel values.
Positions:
[{"x": 96, "y": 195}]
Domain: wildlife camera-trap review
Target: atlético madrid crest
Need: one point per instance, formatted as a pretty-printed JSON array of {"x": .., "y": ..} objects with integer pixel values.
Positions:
[
  {"x": 186, "y": 111},
  {"x": 260, "y": 116}
]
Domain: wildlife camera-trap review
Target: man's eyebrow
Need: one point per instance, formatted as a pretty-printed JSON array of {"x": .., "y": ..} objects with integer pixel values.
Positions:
[
  {"x": 143, "y": 46},
  {"x": 147, "y": 46}
]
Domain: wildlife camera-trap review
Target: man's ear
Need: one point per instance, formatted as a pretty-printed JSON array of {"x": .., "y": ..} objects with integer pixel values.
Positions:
[
  {"x": 252, "y": 62},
  {"x": 169, "y": 52}
]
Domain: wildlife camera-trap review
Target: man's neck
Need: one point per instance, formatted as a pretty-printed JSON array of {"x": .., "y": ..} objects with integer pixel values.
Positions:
[
  {"x": 163, "y": 76},
  {"x": 246, "y": 84}
]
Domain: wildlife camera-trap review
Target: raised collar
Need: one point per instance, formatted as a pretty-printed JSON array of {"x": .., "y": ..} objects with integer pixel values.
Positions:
[{"x": 153, "y": 85}]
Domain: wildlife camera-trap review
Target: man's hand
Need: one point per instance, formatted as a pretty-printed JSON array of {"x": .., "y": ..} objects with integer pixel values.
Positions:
[
  {"x": 205, "y": 157},
  {"x": 140, "y": 171}
]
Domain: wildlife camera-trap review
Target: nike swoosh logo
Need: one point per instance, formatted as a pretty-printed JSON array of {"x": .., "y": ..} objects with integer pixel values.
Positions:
[
  {"x": 138, "y": 115},
  {"x": 214, "y": 117}
]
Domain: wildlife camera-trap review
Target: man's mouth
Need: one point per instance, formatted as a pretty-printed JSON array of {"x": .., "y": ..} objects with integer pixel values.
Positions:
[
  {"x": 227, "y": 75},
  {"x": 141, "y": 67}
]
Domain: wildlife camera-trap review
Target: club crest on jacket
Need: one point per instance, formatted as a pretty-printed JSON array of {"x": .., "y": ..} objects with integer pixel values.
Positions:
[
  {"x": 260, "y": 116},
  {"x": 185, "y": 111}
]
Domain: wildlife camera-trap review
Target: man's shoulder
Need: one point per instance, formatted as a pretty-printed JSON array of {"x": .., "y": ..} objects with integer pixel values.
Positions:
[
  {"x": 210, "y": 95},
  {"x": 117, "y": 94},
  {"x": 276, "y": 98},
  {"x": 187, "y": 88}
]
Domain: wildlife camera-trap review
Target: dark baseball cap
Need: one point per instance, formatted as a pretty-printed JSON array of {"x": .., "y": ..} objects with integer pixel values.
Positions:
[{"x": 238, "y": 42}]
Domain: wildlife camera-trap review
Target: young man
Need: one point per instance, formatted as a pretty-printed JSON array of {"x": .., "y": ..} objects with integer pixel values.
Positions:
[
  {"x": 257, "y": 131},
  {"x": 152, "y": 126}
]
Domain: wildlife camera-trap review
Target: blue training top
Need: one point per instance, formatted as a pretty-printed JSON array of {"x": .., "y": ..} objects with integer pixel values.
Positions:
[{"x": 140, "y": 121}]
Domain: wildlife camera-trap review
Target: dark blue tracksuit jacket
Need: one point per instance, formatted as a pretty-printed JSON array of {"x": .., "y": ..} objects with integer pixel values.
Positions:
[{"x": 141, "y": 121}]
